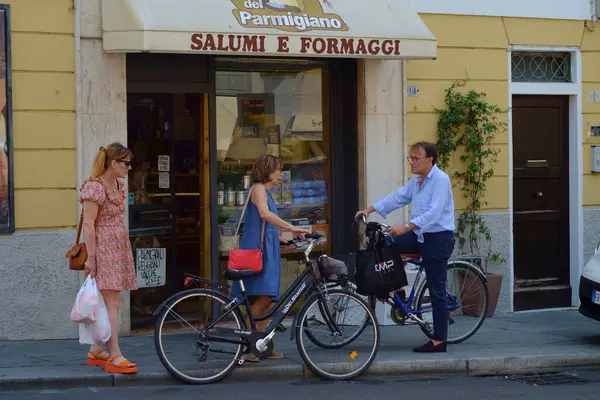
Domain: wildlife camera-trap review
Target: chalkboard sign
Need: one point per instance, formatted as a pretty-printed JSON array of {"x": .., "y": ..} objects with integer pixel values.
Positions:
[{"x": 151, "y": 267}]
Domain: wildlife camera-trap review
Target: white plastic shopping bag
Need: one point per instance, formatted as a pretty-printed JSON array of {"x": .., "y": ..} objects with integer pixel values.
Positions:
[
  {"x": 101, "y": 331},
  {"x": 97, "y": 332},
  {"x": 85, "y": 309}
]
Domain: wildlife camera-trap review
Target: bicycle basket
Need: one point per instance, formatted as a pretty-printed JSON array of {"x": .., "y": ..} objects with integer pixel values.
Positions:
[
  {"x": 332, "y": 270},
  {"x": 350, "y": 260}
]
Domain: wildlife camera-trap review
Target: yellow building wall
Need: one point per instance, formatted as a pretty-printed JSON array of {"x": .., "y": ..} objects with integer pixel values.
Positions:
[
  {"x": 474, "y": 48},
  {"x": 590, "y": 49},
  {"x": 44, "y": 132}
]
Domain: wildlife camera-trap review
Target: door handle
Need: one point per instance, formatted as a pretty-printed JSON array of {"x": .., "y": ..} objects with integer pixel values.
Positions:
[{"x": 538, "y": 194}]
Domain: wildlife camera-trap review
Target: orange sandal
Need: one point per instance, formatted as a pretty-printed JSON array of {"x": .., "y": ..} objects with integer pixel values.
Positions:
[
  {"x": 124, "y": 367},
  {"x": 96, "y": 360}
]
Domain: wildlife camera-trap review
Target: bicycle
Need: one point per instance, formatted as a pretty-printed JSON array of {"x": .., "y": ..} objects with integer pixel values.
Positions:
[
  {"x": 413, "y": 308},
  {"x": 466, "y": 274},
  {"x": 229, "y": 327}
]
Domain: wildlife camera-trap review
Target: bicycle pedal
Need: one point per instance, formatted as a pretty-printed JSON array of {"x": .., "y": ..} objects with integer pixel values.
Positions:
[
  {"x": 240, "y": 361},
  {"x": 280, "y": 328}
]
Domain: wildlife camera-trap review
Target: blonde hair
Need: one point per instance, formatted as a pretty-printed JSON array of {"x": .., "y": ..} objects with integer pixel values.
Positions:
[{"x": 106, "y": 155}]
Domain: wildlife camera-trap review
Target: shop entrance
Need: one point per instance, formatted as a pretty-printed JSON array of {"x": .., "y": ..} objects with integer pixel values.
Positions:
[
  {"x": 169, "y": 195},
  {"x": 197, "y": 124}
]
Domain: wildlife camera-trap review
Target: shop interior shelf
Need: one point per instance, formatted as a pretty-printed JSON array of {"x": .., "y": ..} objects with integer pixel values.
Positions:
[
  {"x": 314, "y": 160},
  {"x": 280, "y": 206},
  {"x": 177, "y": 174},
  {"x": 176, "y": 194}
]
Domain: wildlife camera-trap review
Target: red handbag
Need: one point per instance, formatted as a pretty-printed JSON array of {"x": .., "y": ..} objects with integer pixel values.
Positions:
[{"x": 247, "y": 259}]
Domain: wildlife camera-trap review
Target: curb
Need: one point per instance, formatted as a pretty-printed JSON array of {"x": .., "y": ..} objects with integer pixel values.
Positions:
[{"x": 488, "y": 366}]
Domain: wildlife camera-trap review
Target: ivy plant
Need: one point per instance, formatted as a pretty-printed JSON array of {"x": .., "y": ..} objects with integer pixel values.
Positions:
[{"x": 468, "y": 125}]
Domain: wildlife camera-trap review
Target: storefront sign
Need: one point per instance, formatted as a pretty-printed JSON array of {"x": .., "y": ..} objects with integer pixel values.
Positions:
[
  {"x": 310, "y": 46},
  {"x": 381, "y": 29},
  {"x": 287, "y": 15},
  {"x": 151, "y": 267},
  {"x": 7, "y": 220}
]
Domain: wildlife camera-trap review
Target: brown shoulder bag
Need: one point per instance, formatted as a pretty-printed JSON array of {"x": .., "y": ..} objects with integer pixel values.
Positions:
[{"x": 77, "y": 254}]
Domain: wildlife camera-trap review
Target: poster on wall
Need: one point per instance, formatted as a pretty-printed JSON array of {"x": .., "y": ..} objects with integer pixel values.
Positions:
[{"x": 7, "y": 219}]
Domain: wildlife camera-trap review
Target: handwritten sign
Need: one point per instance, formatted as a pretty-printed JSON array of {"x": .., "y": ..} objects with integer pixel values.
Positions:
[
  {"x": 164, "y": 163},
  {"x": 151, "y": 267},
  {"x": 163, "y": 180}
]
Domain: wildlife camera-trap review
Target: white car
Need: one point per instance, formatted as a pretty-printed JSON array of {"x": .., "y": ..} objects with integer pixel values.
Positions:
[{"x": 589, "y": 287}]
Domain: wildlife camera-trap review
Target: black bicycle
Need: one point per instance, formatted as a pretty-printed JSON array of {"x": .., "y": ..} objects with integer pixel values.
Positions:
[{"x": 221, "y": 328}]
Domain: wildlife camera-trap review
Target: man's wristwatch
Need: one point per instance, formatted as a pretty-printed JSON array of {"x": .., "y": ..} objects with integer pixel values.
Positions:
[{"x": 407, "y": 226}]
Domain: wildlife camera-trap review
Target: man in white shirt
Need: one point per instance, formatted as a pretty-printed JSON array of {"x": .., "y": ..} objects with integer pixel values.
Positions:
[{"x": 429, "y": 232}]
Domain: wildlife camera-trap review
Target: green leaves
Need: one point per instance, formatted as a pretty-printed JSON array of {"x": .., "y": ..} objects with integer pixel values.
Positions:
[{"x": 470, "y": 123}]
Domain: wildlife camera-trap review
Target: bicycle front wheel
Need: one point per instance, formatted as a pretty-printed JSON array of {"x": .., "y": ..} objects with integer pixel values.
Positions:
[
  {"x": 338, "y": 305},
  {"x": 341, "y": 359},
  {"x": 467, "y": 293},
  {"x": 180, "y": 342}
]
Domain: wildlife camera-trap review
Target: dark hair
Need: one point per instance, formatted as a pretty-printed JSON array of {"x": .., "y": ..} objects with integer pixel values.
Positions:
[
  {"x": 429, "y": 148},
  {"x": 265, "y": 166}
]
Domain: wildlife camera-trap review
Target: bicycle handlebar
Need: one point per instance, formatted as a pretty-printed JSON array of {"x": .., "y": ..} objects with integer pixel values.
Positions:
[
  {"x": 311, "y": 238},
  {"x": 362, "y": 217}
]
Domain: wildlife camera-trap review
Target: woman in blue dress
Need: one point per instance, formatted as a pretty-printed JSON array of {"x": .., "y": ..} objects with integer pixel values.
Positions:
[{"x": 263, "y": 289}]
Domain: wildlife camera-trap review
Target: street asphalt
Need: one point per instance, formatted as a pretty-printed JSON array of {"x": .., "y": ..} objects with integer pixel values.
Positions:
[{"x": 570, "y": 384}]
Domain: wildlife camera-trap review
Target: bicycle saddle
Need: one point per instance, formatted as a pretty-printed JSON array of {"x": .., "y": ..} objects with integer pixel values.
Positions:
[{"x": 238, "y": 274}]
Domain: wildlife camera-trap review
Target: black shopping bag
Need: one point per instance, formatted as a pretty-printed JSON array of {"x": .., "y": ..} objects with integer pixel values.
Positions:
[{"x": 379, "y": 270}]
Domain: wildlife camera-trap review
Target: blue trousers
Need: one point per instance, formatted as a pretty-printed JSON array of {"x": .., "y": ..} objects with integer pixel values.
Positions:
[{"x": 435, "y": 251}]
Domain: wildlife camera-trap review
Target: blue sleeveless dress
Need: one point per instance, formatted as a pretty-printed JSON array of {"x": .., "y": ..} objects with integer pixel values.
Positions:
[{"x": 267, "y": 282}]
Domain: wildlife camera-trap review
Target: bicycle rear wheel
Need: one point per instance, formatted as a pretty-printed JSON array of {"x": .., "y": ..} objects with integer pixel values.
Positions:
[
  {"x": 353, "y": 356},
  {"x": 180, "y": 342},
  {"x": 467, "y": 302}
]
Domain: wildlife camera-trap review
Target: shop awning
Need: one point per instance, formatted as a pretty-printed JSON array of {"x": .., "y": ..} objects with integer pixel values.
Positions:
[{"x": 388, "y": 29}]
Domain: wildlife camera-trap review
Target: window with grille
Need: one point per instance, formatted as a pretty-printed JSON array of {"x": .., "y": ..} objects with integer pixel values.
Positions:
[{"x": 541, "y": 67}]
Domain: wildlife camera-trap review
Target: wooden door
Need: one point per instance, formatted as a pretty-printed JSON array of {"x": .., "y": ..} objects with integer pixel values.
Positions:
[{"x": 541, "y": 201}]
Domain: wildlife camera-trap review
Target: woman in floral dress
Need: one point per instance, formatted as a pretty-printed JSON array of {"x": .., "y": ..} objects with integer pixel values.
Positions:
[{"x": 110, "y": 259}]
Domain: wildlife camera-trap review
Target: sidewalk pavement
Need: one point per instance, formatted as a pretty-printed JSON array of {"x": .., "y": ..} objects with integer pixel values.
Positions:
[{"x": 506, "y": 344}]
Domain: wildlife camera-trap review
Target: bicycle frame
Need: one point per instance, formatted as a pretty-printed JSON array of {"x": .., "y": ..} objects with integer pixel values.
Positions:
[
  {"x": 281, "y": 309},
  {"x": 406, "y": 307}
]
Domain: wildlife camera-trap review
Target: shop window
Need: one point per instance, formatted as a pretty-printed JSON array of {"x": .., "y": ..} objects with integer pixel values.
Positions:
[
  {"x": 541, "y": 67},
  {"x": 168, "y": 197},
  {"x": 279, "y": 110}
]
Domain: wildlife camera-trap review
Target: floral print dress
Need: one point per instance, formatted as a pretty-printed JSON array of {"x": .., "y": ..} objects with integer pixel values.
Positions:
[{"x": 114, "y": 259}]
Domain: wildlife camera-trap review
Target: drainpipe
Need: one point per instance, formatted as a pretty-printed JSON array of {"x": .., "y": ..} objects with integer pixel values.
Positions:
[
  {"x": 405, "y": 128},
  {"x": 593, "y": 6}
]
